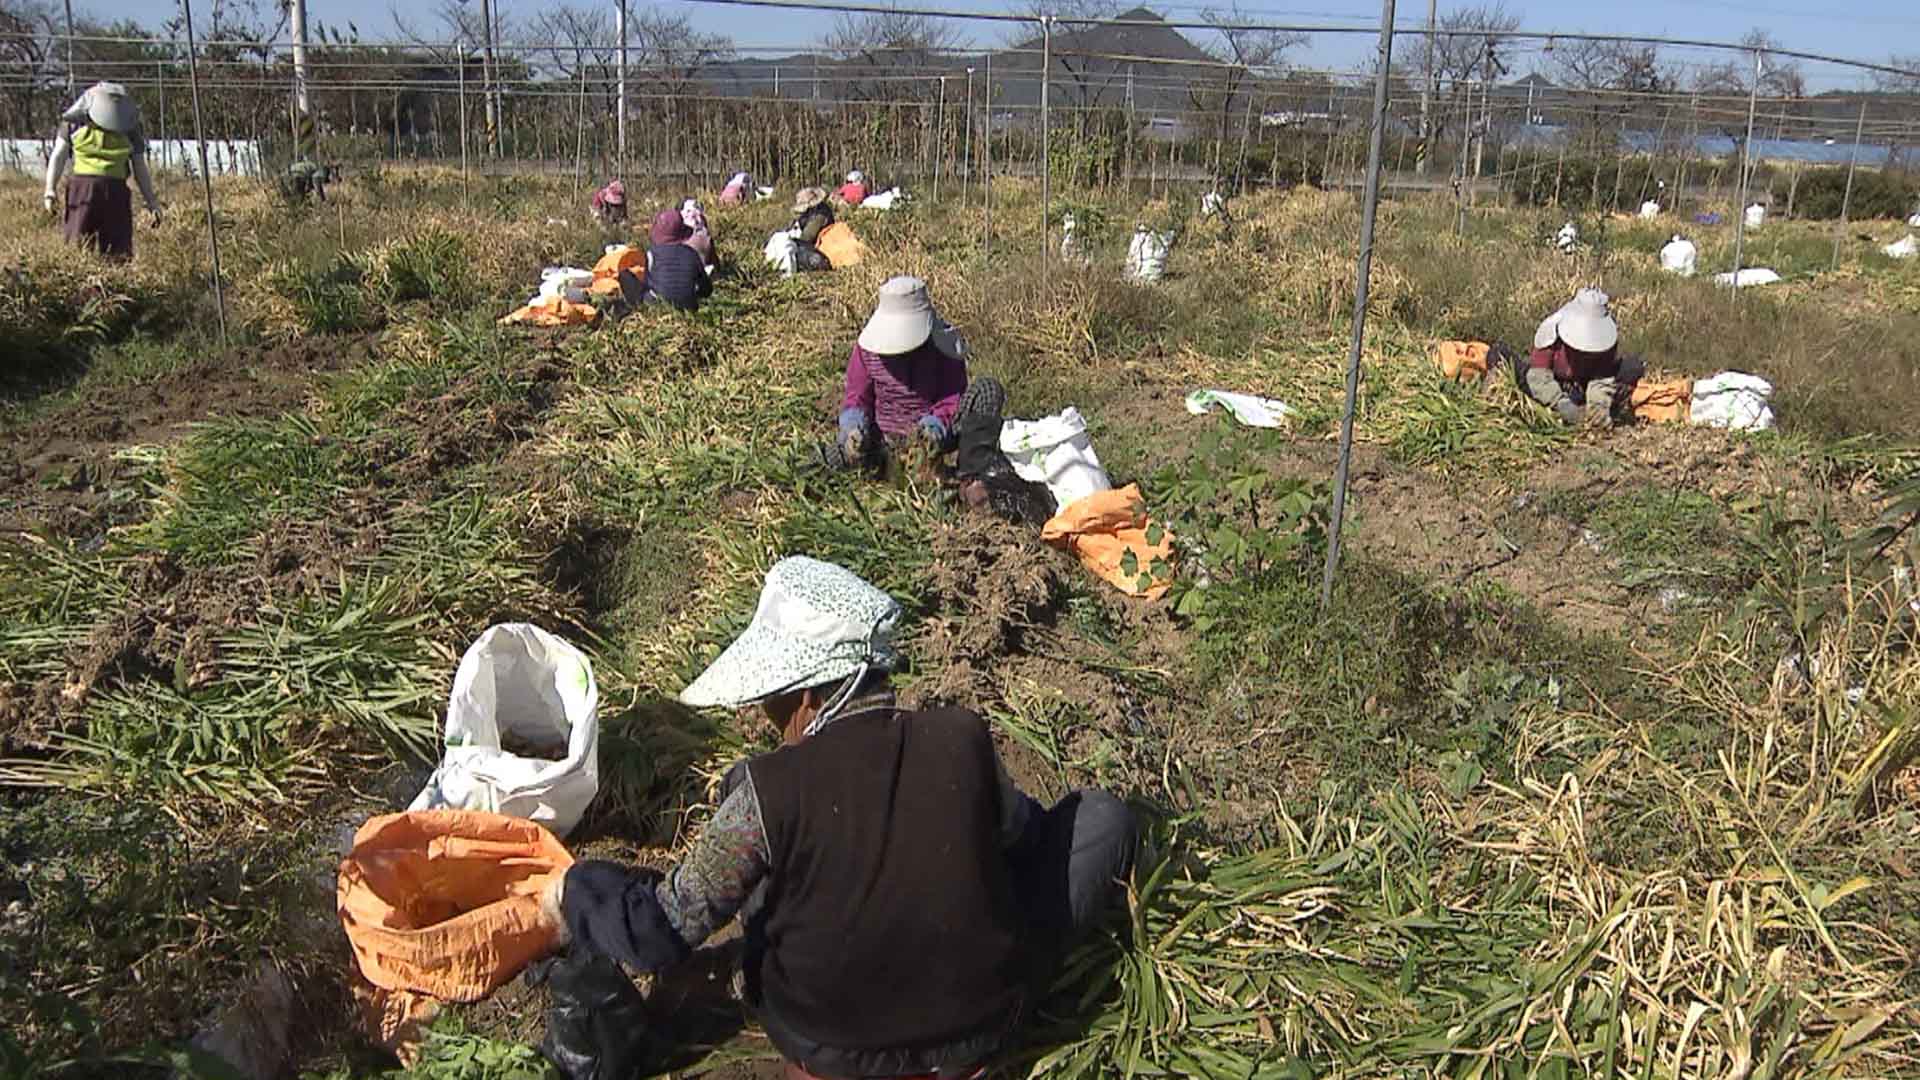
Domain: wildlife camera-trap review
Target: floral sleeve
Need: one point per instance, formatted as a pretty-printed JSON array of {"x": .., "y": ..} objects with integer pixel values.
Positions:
[{"x": 727, "y": 863}]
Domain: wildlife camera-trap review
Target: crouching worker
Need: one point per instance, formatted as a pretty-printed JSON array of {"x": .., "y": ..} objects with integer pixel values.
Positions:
[
  {"x": 902, "y": 900},
  {"x": 676, "y": 275},
  {"x": 609, "y": 205},
  {"x": 907, "y": 382},
  {"x": 1576, "y": 368},
  {"x": 305, "y": 179},
  {"x": 813, "y": 215}
]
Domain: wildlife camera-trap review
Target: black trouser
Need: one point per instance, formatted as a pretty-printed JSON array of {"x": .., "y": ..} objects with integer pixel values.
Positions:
[{"x": 1067, "y": 868}]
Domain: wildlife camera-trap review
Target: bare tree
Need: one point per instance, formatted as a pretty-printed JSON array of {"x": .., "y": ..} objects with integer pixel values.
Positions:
[
  {"x": 1780, "y": 77},
  {"x": 1076, "y": 49},
  {"x": 670, "y": 52},
  {"x": 1908, "y": 82},
  {"x": 876, "y": 47},
  {"x": 31, "y": 65},
  {"x": 1247, "y": 58},
  {"x": 1465, "y": 47},
  {"x": 1613, "y": 65}
]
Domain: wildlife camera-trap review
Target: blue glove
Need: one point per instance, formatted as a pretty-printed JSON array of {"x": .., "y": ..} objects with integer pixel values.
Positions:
[
  {"x": 932, "y": 429},
  {"x": 852, "y": 420}
]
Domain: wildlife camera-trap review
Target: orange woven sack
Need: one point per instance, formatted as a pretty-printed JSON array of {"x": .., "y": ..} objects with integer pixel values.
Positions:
[
  {"x": 447, "y": 902},
  {"x": 1663, "y": 403},
  {"x": 840, "y": 246},
  {"x": 1101, "y": 528},
  {"x": 1461, "y": 360}
]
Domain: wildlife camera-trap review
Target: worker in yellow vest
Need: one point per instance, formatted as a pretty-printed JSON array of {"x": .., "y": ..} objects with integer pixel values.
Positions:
[{"x": 100, "y": 137}]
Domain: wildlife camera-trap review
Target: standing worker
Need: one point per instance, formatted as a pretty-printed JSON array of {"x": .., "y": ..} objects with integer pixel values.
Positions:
[{"x": 100, "y": 137}]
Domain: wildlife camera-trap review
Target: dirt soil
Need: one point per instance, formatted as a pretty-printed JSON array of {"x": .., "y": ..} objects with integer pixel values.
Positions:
[{"x": 58, "y": 472}]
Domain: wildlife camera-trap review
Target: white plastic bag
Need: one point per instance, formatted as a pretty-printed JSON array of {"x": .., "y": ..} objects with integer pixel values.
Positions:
[
  {"x": 519, "y": 680},
  {"x": 1055, "y": 451},
  {"x": 1650, "y": 209},
  {"x": 1567, "y": 238},
  {"x": 1903, "y": 249},
  {"x": 1751, "y": 276},
  {"x": 779, "y": 251},
  {"x": 1247, "y": 408},
  {"x": 570, "y": 282},
  {"x": 1756, "y": 216},
  {"x": 1147, "y": 256},
  {"x": 1734, "y": 400},
  {"x": 1914, "y": 222},
  {"x": 1679, "y": 257},
  {"x": 886, "y": 200}
]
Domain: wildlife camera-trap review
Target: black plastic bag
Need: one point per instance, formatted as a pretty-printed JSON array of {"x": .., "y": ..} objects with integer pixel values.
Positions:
[{"x": 597, "y": 1024}]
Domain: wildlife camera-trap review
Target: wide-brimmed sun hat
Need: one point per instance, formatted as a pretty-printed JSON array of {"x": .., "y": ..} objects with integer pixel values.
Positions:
[
  {"x": 816, "y": 624},
  {"x": 107, "y": 106},
  {"x": 669, "y": 228},
  {"x": 1585, "y": 324},
  {"x": 902, "y": 320},
  {"x": 856, "y": 176},
  {"x": 808, "y": 198},
  {"x": 615, "y": 193}
]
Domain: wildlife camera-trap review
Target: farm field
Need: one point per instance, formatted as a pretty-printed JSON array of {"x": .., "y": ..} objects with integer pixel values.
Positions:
[{"x": 1602, "y": 761}]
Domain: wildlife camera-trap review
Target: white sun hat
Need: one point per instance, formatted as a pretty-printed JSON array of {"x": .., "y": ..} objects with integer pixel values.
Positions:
[
  {"x": 903, "y": 319},
  {"x": 107, "y": 106},
  {"x": 856, "y": 176},
  {"x": 1586, "y": 324},
  {"x": 817, "y": 623}
]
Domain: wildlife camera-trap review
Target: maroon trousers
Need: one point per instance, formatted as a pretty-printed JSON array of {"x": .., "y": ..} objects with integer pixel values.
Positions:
[{"x": 100, "y": 215}]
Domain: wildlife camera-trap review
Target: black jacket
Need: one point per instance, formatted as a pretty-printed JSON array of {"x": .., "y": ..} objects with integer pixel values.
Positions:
[{"x": 676, "y": 276}]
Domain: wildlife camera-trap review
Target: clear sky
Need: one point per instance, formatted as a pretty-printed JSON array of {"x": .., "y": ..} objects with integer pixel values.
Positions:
[{"x": 1860, "y": 29}]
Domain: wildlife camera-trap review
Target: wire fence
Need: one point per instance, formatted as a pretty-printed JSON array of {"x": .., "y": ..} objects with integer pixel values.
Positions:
[{"x": 1142, "y": 103}]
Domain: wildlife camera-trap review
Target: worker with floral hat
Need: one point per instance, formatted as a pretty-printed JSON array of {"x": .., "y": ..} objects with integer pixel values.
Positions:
[
  {"x": 1575, "y": 367},
  {"x": 900, "y": 895},
  {"x": 100, "y": 138}
]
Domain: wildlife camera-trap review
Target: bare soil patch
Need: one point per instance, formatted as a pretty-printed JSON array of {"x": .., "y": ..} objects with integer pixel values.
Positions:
[{"x": 59, "y": 472}]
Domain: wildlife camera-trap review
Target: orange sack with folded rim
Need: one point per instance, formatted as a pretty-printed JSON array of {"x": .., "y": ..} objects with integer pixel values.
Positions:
[{"x": 447, "y": 902}]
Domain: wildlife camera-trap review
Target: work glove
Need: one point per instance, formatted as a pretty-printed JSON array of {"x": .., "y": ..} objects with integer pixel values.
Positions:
[
  {"x": 46, "y": 203},
  {"x": 932, "y": 431},
  {"x": 1598, "y": 419},
  {"x": 153, "y": 215},
  {"x": 1569, "y": 412},
  {"x": 853, "y": 444},
  {"x": 553, "y": 913}
]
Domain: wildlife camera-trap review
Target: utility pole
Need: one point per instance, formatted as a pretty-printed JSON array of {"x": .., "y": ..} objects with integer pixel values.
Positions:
[
  {"x": 297, "y": 16},
  {"x": 620, "y": 93},
  {"x": 486, "y": 77},
  {"x": 1427, "y": 91}
]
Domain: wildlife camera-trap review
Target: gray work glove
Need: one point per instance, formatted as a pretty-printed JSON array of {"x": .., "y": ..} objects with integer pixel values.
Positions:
[
  {"x": 1570, "y": 413},
  {"x": 46, "y": 203}
]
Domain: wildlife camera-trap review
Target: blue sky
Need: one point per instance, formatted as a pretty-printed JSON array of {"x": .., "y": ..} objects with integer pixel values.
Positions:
[{"x": 1862, "y": 29}]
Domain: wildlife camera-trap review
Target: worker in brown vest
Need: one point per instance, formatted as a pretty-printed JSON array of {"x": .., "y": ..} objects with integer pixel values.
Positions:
[{"x": 900, "y": 896}]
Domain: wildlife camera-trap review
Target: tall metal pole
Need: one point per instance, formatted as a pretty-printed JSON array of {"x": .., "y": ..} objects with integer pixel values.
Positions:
[
  {"x": 297, "y": 16},
  {"x": 1846, "y": 200},
  {"x": 939, "y": 136},
  {"x": 1362, "y": 277},
  {"x": 462, "y": 46},
  {"x": 1746, "y": 157},
  {"x": 966, "y": 178},
  {"x": 1466, "y": 138},
  {"x": 70, "y": 72},
  {"x": 206, "y": 179},
  {"x": 986, "y": 201},
  {"x": 620, "y": 94},
  {"x": 580, "y": 129},
  {"x": 1046, "y": 137}
]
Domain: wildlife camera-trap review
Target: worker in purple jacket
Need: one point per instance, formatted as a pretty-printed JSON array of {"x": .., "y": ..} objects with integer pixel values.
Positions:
[{"x": 907, "y": 381}]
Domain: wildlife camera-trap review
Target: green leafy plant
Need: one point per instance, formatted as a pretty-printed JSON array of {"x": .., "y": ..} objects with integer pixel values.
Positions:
[{"x": 1233, "y": 519}]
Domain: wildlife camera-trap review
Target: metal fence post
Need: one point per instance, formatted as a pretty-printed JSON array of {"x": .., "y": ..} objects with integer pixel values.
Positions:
[
  {"x": 206, "y": 178},
  {"x": 939, "y": 136},
  {"x": 1846, "y": 200},
  {"x": 1046, "y": 138},
  {"x": 1362, "y": 276},
  {"x": 1746, "y": 156}
]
